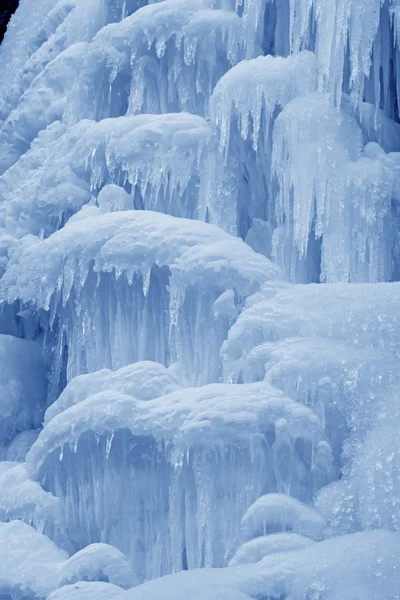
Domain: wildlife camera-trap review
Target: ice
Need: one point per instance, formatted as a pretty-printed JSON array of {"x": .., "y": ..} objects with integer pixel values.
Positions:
[
  {"x": 332, "y": 346},
  {"x": 373, "y": 480},
  {"x": 184, "y": 37},
  {"x": 196, "y": 453},
  {"x": 21, "y": 444},
  {"x": 112, "y": 255},
  {"x": 66, "y": 169},
  {"x": 275, "y": 81},
  {"x": 328, "y": 190},
  {"x": 44, "y": 67},
  {"x": 238, "y": 178},
  {"x": 41, "y": 105},
  {"x": 199, "y": 292}
]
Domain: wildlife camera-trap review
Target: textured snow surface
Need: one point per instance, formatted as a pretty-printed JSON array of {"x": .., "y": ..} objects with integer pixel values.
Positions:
[{"x": 199, "y": 300}]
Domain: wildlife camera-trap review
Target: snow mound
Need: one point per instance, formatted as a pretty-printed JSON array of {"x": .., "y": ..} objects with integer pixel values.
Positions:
[
  {"x": 188, "y": 417},
  {"x": 87, "y": 590},
  {"x": 31, "y": 564},
  {"x": 260, "y": 547},
  {"x": 131, "y": 242},
  {"x": 277, "y": 512},
  {"x": 323, "y": 571},
  {"x": 98, "y": 562},
  {"x": 28, "y": 561}
]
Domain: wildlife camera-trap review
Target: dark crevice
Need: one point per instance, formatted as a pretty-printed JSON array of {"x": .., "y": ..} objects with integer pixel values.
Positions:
[{"x": 7, "y": 9}]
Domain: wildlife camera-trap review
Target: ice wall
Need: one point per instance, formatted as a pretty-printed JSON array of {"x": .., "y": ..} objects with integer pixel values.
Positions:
[{"x": 199, "y": 290}]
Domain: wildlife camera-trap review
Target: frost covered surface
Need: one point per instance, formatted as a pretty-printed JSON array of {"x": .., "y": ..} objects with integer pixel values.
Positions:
[{"x": 199, "y": 291}]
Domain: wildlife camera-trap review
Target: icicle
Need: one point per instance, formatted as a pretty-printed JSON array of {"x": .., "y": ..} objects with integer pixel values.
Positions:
[{"x": 109, "y": 441}]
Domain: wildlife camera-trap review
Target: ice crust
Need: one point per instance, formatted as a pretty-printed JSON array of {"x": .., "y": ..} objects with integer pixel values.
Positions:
[{"x": 199, "y": 292}]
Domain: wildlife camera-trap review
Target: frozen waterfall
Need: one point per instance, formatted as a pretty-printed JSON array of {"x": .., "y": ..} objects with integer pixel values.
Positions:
[{"x": 199, "y": 300}]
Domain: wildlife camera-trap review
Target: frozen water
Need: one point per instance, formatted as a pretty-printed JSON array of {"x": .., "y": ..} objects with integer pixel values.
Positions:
[
  {"x": 99, "y": 162},
  {"x": 199, "y": 293},
  {"x": 196, "y": 456},
  {"x": 146, "y": 274}
]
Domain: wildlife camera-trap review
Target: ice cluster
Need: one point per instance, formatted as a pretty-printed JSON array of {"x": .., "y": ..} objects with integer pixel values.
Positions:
[{"x": 199, "y": 292}]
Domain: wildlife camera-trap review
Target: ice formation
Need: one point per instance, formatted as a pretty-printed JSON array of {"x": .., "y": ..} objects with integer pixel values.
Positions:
[{"x": 199, "y": 291}]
